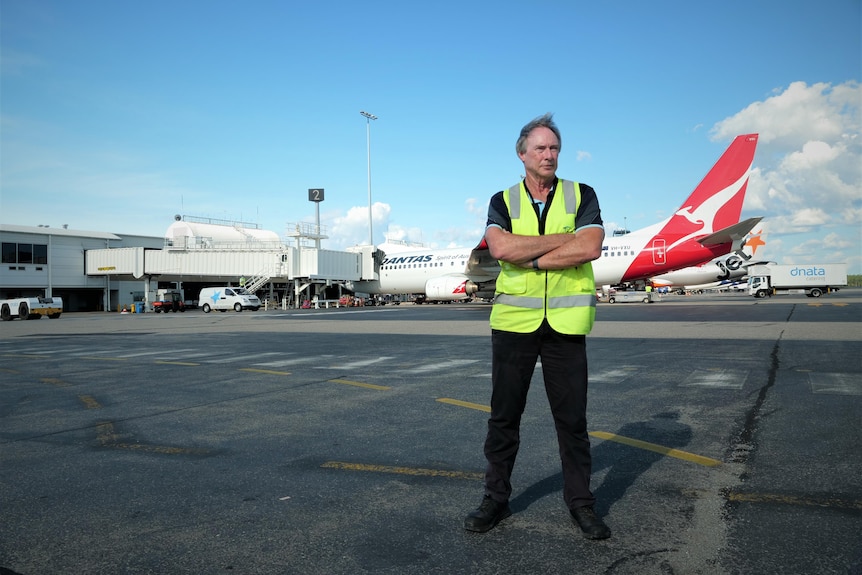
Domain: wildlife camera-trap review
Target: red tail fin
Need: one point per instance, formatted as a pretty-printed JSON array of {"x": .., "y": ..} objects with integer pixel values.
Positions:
[
  {"x": 717, "y": 201},
  {"x": 709, "y": 213}
]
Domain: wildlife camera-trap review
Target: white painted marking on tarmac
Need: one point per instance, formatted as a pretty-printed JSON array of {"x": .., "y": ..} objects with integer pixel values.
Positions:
[
  {"x": 717, "y": 378},
  {"x": 159, "y": 352},
  {"x": 294, "y": 361},
  {"x": 614, "y": 375},
  {"x": 190, "y": 355},
  {"x": 93, "y": 352},
  {"x": 452, "y": 363},
  {"x": 356, "y": 364},
  {"x": 49, "y": 351},
  {"x": 835, "y": 383},
  {"x": 244, "y": 357}
]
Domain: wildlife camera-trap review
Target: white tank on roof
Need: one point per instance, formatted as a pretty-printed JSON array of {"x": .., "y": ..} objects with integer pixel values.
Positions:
[{"x": 218, "y": 233}]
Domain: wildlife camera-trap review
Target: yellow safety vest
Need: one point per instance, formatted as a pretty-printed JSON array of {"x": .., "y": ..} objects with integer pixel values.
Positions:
[{"x": 524, "y": 296}]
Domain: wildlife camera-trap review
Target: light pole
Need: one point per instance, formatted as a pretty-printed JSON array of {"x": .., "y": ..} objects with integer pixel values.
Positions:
[{"x": 368, "y": 118}]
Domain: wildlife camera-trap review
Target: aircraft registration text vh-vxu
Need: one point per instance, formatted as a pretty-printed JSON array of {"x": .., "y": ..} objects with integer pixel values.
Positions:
[{"x": 704, "y": 227}]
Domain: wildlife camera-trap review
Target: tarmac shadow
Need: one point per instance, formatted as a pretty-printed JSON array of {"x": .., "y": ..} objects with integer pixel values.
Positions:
[{"x": 624, "y": 462}]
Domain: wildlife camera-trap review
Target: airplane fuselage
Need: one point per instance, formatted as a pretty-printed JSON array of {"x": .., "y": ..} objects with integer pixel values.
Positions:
[
  {"x": 449, "y": 273},
  {"x": 706, "y": 225}
]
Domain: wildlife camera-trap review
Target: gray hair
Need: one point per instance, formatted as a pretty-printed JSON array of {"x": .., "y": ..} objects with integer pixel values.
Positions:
[{"x": 546, "y": 121}]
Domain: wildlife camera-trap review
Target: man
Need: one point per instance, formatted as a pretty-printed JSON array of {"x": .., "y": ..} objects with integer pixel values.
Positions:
[{"x": 545, "y": 231}]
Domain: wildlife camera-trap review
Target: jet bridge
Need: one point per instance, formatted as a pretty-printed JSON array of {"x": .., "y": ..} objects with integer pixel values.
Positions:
[{"x": 300, "y": 270}]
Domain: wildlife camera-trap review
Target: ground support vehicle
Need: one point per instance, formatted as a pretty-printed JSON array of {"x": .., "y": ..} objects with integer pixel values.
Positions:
[
  {"x": 31, "y": 308},
  {"x": 169, "y": 300},
  {"x": 815, "y": 280},
  {"x": 632, "y": 296},
  {"x": 227, "y": 297}
]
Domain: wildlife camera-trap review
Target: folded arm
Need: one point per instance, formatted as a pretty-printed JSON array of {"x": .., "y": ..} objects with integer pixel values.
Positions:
[{"x": 553, "y": 251}]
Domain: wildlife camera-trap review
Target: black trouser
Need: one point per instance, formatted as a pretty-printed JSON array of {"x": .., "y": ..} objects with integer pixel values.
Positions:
[{"x": 564, "y": 365}]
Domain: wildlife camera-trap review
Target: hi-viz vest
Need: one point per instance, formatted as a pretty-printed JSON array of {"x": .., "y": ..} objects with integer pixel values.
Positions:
[{"x": 524, "y": 296}]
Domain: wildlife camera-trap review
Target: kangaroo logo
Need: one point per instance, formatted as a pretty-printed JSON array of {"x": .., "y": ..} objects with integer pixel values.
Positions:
[{"x": 704, "y": 215}]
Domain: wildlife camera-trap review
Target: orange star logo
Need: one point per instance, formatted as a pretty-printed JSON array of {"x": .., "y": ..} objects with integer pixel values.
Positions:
[{"x": 755, "y": 242}]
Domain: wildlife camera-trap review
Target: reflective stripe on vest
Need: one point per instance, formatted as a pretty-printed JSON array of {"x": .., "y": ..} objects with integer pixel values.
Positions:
[
  {"x": 553, "y": 302},
  {"x": 571, "y": 199},
  {"x": 525, "y": 297}
]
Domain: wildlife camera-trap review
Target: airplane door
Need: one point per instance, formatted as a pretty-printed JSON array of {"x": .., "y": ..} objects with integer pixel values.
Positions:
[{"x": 658, "y": 252}]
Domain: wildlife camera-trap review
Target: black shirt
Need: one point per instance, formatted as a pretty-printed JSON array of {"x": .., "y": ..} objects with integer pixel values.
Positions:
[{"x": 589, "y": 214}]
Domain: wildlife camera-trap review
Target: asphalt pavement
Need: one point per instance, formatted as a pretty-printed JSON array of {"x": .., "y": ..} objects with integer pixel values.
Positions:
[{"x": 726, "y": 434}]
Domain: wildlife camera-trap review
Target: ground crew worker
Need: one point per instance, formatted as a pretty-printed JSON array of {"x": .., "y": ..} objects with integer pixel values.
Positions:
[{"x": 545, "y": 231}]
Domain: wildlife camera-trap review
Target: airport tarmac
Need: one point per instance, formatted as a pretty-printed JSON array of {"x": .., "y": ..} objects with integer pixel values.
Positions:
[{"x": 726, "y": 434}]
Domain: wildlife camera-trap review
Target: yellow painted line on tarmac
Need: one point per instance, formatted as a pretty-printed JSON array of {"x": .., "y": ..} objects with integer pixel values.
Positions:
[
  {"x": 360, "y": 384},
  {"x": 107, "y": 438},
  {"x": 105, "y": 358},
  {"x": 269, "y": 371},
  {"x": 467, "y": 404},
  {"x": 7, "y": 370},
  {"x": 105, "y": 433},
  {"x": 25, "y": 356},
  {"x": 90, "y": 402},
  {"x": 832, "y": 502},
  {"x": 162, "y": 449},
  {"x": 54, "y": 381},
  {"x": 415, "y": 471},
  {"x": 188, "y": 363},
  {"x": 669, "y": 451}
]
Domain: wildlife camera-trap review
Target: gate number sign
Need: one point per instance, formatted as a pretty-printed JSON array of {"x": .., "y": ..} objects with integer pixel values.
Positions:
[{"x": 315, "y": 194}]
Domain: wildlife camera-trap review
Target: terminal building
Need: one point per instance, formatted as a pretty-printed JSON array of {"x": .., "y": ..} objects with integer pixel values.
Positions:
[{"x": 97, "y": 271}]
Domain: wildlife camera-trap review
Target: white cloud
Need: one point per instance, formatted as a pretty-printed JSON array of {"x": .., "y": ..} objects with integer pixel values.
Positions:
[
  {"x": 810, "y": 217},
  {"x": 799, "y": 114},
  {"x": 812, "y": 156},
  {"x": 477, "y": 208},
  {"x": 808, "y": 167},
  {"x": 352, "y": 228}
]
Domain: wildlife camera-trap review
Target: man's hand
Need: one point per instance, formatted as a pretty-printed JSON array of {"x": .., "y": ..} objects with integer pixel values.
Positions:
[
  {"x": 585, "y": 246},
  {"x": 554, "y": 251}
]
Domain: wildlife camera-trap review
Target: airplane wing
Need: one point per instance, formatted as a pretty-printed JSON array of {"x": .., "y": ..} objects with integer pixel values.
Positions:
[
  {"x": 732, "y": 234},
  {"x": 482, "y": 266}
]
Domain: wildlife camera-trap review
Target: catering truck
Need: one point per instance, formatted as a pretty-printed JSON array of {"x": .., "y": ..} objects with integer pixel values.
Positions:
[
  {"x": 31, "y": 308},
  {"x": 815, "y": 280}
]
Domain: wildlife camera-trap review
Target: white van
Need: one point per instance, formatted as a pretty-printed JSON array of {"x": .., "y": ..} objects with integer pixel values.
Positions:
[{"x": 225, "y": 298}]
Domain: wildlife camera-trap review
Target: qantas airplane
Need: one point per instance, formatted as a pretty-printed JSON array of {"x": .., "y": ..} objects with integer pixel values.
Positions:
[
  {"x": 722, "y": 271},
  {"x": 704, "y": 227}
]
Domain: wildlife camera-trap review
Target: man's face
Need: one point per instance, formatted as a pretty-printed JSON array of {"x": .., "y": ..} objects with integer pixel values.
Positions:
[{"x": 540, "y": 158}]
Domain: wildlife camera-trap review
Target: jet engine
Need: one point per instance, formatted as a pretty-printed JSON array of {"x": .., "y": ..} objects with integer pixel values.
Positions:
[{"x": 449, "y": 288}]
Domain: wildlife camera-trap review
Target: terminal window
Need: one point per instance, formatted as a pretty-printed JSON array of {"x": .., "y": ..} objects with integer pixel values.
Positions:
[{"x": 13, "y": 253}]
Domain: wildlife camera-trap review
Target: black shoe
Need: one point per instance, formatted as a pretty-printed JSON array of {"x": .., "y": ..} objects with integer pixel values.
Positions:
[
  {"x": 487, "y": 515},
  {"x": 590, "y": 523}
]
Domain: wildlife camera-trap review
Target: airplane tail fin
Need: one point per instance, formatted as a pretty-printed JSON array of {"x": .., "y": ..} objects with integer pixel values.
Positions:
[
  {"x": 754, "y": 247},
  {"x": 716, "y": 202},
  {"x": 736, "y": 235}
]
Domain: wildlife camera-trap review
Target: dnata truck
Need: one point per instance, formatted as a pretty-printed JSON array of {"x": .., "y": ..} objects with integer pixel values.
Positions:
[
  {"x": 817, "y": 279},
  {"x": 31, "y": 308}
]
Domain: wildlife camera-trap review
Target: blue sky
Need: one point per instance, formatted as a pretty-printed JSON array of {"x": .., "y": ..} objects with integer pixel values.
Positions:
[{"x": 118, "y": 115}]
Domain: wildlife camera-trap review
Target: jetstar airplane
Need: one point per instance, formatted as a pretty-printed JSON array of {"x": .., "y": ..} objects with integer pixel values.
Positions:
[
  {"x": 722, "y": 271},
  {"x": 704, "y": 227}
]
